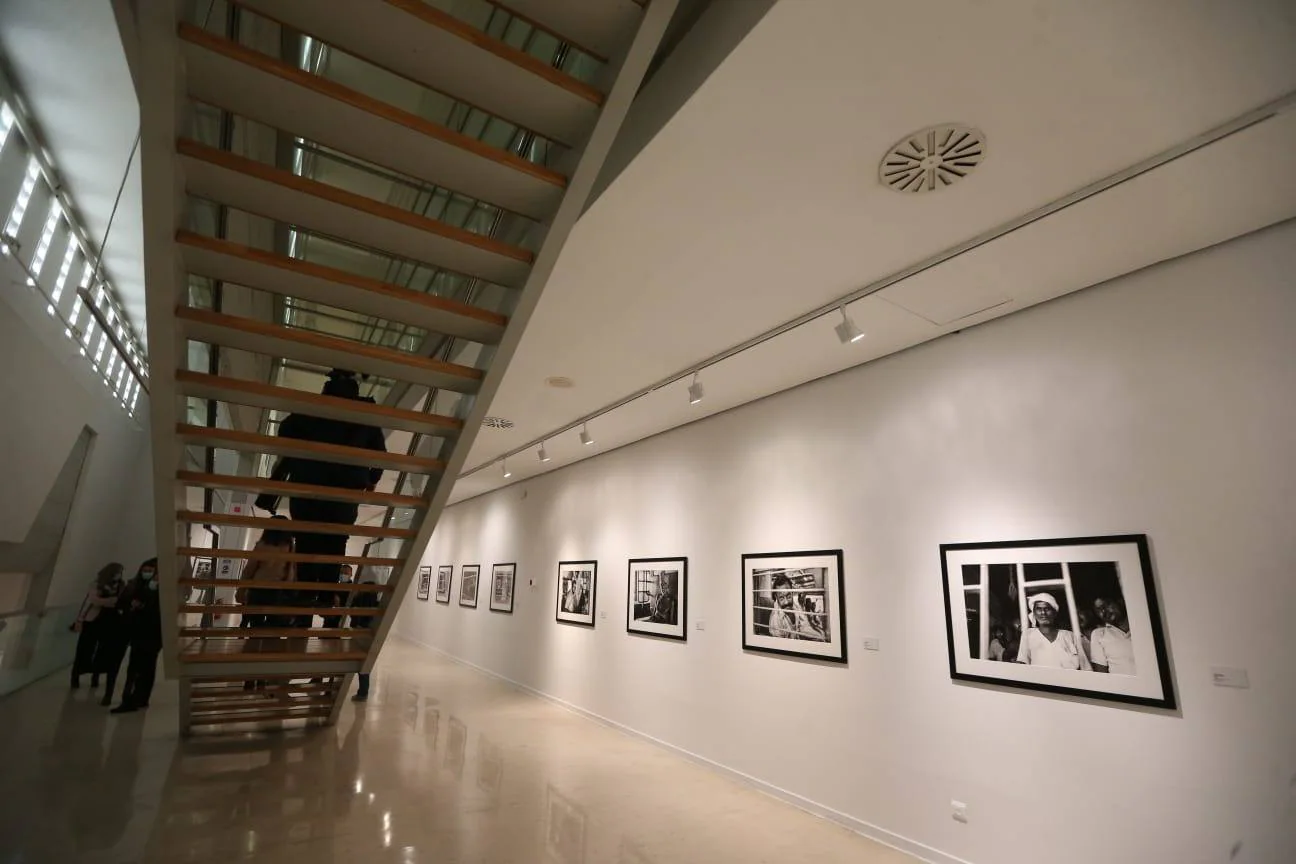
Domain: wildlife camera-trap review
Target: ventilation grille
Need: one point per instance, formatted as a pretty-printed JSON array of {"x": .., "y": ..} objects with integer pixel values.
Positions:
[
  {"x": 932, "y": 158},
  {"x": 497, "y": 423}
]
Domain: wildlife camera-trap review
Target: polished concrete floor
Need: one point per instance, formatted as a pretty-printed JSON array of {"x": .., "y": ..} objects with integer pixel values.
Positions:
[{"x": 443, "y": 765}]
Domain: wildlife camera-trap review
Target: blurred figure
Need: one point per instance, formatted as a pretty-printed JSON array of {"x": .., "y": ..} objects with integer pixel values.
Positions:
[
  {"x": 341, "y": 384},
  {"x": 143, "y": 614},
  {"x": 267, "y": 570},
  {"x": 363, "y": 600},
  {"x": 99, "y": 604},
  {"x": 998, "y": 644}
]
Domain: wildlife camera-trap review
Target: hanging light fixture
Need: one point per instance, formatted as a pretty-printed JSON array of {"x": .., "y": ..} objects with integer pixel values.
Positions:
[
  {"x": 695, "y": 390},
  {"x": 585, "y": 436},
  {"x": 505, "y": 468},
  {"x": 847, "y": 332},
  {"x": 543, "y": 454}
]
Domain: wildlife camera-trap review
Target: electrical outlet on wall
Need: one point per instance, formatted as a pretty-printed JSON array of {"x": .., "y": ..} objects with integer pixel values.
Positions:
[{"x": 958, "y": 810}]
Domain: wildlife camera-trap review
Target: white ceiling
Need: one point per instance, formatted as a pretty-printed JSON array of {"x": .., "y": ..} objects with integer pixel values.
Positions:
[
  {"x": 759, "y": 200},
  {"x": 68, "y": 62}
]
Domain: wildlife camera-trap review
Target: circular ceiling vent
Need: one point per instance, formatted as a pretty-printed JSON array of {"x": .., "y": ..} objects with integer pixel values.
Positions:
[
  {"x": 560, "y": 382},
  {"x": 497, "y": 423},
  {"x": 932, "y": 158}
]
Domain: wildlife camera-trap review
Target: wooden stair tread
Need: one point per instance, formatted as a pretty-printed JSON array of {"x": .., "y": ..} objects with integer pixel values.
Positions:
[
  {"x": 305, "y": 280},
  {"x": 297, "y": 557},
  {"x": 295, "y": 526},
  {"x": 236, "y": 439},
  {"x": 277, "y": 194},
  {"x": 379, "y": 109},
  {"x": 269, "y": 583},
  {"x": 269, "y": 651},
  {"x": 275, "y": 340},
  {"x": 252, "y": 609},
  {"x": 260, "y": 395},
  {"x": 282, "y": 714},
  {"x": 255, "y": 704},
  {"x": 273, "y": 632},
  {"x": 280, "y": 177},
  {"x": 299, "y": 490},
  {"x": 444, "y": 21},
  {"x": 201, "y": 680},
  {"x": 415, "y": 46}
]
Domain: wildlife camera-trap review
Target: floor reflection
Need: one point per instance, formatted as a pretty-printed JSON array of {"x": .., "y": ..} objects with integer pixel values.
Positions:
[{"x": 386, "y": 785}]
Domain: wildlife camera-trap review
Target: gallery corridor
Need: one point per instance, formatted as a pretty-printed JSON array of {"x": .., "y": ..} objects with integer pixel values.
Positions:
[{"x": 444, "y": 764}]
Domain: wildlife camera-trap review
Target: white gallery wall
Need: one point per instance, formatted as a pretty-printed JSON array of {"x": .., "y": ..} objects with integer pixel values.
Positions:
[{"x": 1161, "y": 403}]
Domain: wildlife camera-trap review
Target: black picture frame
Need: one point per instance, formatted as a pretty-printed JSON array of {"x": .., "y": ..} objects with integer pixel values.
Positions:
[
  {"x": 1092, "y": 571},
  {"x": 830, "y": 595},
  {"x": 580, "y": 619},
  {"x": 445, "y": 578},
  {"x": 498, "y": 570},
  {"x": 634, "y": 607},
  {"x": 469, "y": 581},
  {"x": 424, "y": 583}
]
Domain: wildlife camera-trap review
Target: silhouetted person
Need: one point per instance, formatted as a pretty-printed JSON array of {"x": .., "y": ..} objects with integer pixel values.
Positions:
[
  {"x": 363, "y": 600},
  {"x": 143, "y": 614},
  {"x": 98, "y": 606},
  {"x": 341, "y": 384}
]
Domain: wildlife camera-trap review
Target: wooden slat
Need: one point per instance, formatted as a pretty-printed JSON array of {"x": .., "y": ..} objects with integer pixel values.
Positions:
[
  {"x": 415, "y": 48},
  {"x": 231, "y": 651},
  {"x": 275, "y": 555},
  {"x": 199, "y": 681},
  {"x": 274, "y": 445},
  {"x": 323, "y": 611},
  {"x": 271, "y": 632},
  {"x": 286, "y": 586},
  {"x": 270, "y": 91},
  {"x": 436, "y": 18},
  {"x": 246, "y": 184},
  {"x": 602, "y": 28},
  {"x": 244, "y": 265},
  {"x": 262, "y": 337},
  {"x": 238, "y": 391},
  {"x": 237, "y": 708},
  {"x": 295, "y": 490},
  {"x": 280, "y": 714},
  {"x": 295, "y": 526}
]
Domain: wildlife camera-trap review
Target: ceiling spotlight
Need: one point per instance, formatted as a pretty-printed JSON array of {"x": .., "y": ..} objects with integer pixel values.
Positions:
[
  {"x": 585, "y": 436},
  {"x": 847, "y": 332},
  {"x": 695, "y": 390},
  {"x": 544, "y": 455},
  {"x": 504, "y": 466}
]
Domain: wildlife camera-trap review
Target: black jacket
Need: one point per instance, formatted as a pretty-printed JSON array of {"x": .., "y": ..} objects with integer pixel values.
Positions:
[{"x": 325, "y": 431}]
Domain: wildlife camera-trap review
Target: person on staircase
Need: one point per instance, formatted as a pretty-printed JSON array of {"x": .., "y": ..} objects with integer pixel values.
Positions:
[
  {"x": 100, "y": 603},
  {"x": 143, "y": 613},
  {"x": 341, "y": 384},
  {"x": 267, "y": 570},
  {"x": 363, "y": 600}
]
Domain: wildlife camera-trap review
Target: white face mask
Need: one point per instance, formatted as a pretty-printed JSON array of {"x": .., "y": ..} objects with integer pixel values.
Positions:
[{"x": 152, "y": 584}]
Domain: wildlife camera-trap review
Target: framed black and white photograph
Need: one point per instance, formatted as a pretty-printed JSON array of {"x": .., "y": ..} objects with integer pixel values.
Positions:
[
  {"x": 502, "y": 584},
  {"x": 445, "y": 576},
  {"x": 468, "y": 578},
  {"x": 657, "y": 597},
  {"x": 425, "y": 583},
  {"x": 577, "y": 582},
  {"x": 564, "y": 829},
  {"x": 794, "y": 604},
  {"x": 1077, "y": 615}
]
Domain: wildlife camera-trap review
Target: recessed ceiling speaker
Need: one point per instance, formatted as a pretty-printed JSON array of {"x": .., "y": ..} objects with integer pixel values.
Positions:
[
  {"x": 933, "y": 158},
  {"x": 497, "y": 423}
]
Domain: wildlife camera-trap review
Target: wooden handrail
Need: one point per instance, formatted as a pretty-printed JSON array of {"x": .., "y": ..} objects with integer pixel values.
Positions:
[
  {"x": 299, "y": 490},
  {"x": 341, "y": 277},
  {"x": 443, "y": 21},
  {"x": 382, "y": 414},
  {"x": 328, "y": 343},
  {"x": 293, "y": 526},
  {"x": 288, "y": 180},
  {"x": 333, "y": 90},
  {"x": 237, "y": 439}
]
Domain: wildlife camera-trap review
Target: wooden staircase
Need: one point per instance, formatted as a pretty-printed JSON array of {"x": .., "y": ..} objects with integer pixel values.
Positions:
[{"x": 292, "y": 154}]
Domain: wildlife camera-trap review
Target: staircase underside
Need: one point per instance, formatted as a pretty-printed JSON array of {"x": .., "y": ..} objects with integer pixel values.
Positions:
[{"x": 381, "y": 186}]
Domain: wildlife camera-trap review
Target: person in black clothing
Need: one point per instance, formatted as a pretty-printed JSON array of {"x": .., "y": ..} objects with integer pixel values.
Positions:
[
  {"x": 363, "y": 600},
  {"x": 114, "y": 637},
  {"x": 143, "y": 613},
  {"x": 99, "y": 605},
  {"x": 341, "y": 384}
]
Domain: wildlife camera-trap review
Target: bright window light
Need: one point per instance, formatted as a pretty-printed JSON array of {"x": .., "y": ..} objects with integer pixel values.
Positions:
[
  {"x": 121, "y": 377},
  {"x": 89, "y": 334},
  {"x": 6, "y": 123},
  {"x": 63, "y": 273},
  {"x": 46, "y": 238},
  {"x": 108, "y": 369},
  {"x": 134, "y": 398},
  {"x": 99, "y": 352},
  {"x": 24, "y": 198}
]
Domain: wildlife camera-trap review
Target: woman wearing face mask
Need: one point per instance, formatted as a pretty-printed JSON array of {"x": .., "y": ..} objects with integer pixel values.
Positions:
[
  {"x": 98, "y": 606},
  {"x": 144, "y": 632}
]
